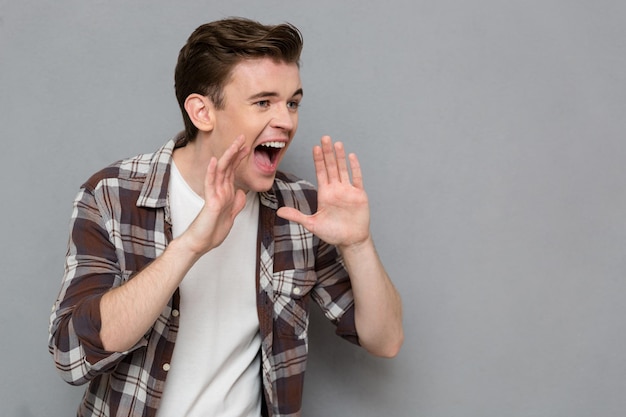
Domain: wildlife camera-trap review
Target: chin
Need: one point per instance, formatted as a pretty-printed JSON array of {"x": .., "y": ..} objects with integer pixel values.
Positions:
[{"x": 258, "y": 185}]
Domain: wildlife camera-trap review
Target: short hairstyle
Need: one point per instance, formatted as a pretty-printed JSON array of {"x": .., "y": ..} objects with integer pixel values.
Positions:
[{"x": 207, "y": 60}]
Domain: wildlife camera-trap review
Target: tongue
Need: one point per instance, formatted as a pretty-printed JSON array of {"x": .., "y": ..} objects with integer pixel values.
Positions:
[{"x": 262, "y": 157}]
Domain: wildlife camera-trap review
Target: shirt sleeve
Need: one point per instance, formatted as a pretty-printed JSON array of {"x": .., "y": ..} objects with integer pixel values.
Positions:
[
  {"x": 333, "y": 292},
  {"x": 91, "y": 269}
]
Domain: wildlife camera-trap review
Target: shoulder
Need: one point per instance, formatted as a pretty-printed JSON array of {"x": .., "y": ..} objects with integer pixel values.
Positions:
[
  {"x": 133, "y": 170},
  {"x": 292, "y": 191},
  {"x": 125, "y": 169}
]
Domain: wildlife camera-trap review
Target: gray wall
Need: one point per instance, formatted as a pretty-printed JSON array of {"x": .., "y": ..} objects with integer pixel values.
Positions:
[{"x": 492, "y": 138}]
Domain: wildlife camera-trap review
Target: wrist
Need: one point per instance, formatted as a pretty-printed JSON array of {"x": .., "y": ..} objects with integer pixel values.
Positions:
[
  {"x": 357, "y": 246},
  {"x": 183, "y": 249}
]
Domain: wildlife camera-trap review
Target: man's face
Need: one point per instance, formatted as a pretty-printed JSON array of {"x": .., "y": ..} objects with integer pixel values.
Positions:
[{"x": 261, "y": 102}]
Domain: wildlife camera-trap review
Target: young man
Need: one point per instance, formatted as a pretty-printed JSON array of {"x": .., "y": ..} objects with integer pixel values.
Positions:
[{"x": 189, "y": 271}]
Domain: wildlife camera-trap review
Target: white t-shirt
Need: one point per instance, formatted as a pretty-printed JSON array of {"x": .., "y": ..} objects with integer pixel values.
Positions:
[{"x": 215, "y": 367}]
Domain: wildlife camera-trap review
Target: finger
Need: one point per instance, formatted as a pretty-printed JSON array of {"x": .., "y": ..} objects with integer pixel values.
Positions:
[
  {"x": 342, "y": 166},
  {"x": 237, "y": 158},
  {"x": 230, "y": 159},
  {"x": 209, "y": 179},
  {"x": 320, "y": 166},
  {"x": 239, "y": 204},
  {"x": 294, "y": 215},
  {"x": 330, "y": 160},
  {"x": 357, "y": 175},
  {"x": 241, "y": 154},
  {"x": 230, "y": 154}
]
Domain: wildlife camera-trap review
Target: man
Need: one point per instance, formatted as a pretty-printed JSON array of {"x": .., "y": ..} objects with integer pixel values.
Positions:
[{"x": 189, "y": 271}]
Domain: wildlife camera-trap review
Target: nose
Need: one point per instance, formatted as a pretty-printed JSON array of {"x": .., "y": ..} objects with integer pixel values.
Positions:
[{"x": 284, "y": 118}]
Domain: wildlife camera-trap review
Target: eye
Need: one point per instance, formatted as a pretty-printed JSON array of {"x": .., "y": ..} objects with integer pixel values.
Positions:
[
  {"x": 263, "y": 103},
  {"x": 293, "y": 105}
]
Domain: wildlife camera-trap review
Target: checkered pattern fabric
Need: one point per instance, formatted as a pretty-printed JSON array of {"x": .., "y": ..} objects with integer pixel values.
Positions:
[{"x": 120, "y": 223}]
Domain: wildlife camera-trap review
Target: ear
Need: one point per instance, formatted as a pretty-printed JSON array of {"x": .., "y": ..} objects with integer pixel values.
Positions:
[{"x": 201, "y": 112}]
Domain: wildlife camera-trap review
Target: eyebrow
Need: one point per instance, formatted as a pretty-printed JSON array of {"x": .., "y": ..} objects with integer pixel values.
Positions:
[{"x": 298, "y": 92}]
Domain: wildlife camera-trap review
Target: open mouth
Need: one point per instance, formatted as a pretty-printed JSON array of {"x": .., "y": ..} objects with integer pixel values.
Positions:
[{"x": 266, "y": 154}]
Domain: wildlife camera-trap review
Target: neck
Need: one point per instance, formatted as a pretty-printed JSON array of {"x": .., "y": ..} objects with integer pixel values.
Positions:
[{"x": 192, "y": 161}]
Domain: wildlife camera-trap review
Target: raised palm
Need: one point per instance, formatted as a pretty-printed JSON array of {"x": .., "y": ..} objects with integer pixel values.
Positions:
[{"x": 342, "y": 217}]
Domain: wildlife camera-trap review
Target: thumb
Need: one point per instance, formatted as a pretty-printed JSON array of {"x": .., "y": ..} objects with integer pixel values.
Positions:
[
  {"x": 239, "y": 203},
  {"x": 293, "y": 215},
  {"x": 240, "y": 200}
]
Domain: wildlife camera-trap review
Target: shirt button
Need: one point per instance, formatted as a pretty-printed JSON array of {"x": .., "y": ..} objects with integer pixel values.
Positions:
[
  {"x": 166, "y": 367},
  {"x": 297, "y": 290},
  {"x": 175, "y": 313}
]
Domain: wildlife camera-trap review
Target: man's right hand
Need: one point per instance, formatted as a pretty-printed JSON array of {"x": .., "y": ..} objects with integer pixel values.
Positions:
[
  {"x": 128, "y": 311},
  {"x": 222, "y": 201}
]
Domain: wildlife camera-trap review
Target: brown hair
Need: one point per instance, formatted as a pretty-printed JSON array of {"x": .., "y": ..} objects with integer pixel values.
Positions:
[{"x": 207, "y": 60}]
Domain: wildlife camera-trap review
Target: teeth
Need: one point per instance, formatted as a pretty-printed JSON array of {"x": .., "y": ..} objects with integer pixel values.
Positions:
[{"x": 274, "y": 144}]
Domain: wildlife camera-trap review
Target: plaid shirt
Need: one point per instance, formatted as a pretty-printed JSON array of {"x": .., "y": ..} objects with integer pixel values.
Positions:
[{"x": 120, "y": 223}]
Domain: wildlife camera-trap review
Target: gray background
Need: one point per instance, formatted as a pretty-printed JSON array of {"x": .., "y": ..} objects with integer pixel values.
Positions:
[{"x": 492, "y": 137}]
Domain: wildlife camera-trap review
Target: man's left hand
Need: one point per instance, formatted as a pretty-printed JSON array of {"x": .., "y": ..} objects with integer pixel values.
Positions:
[{"x": 343, "y": 216}]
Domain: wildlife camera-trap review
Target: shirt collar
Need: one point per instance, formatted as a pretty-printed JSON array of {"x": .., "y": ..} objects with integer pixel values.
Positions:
[{"x": 154, "y": 191}]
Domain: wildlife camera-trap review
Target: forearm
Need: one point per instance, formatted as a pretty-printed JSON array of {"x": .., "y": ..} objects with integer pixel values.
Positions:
[
  {"x": 129, "y": 311},
  {"x": 378, "y": 307}
]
